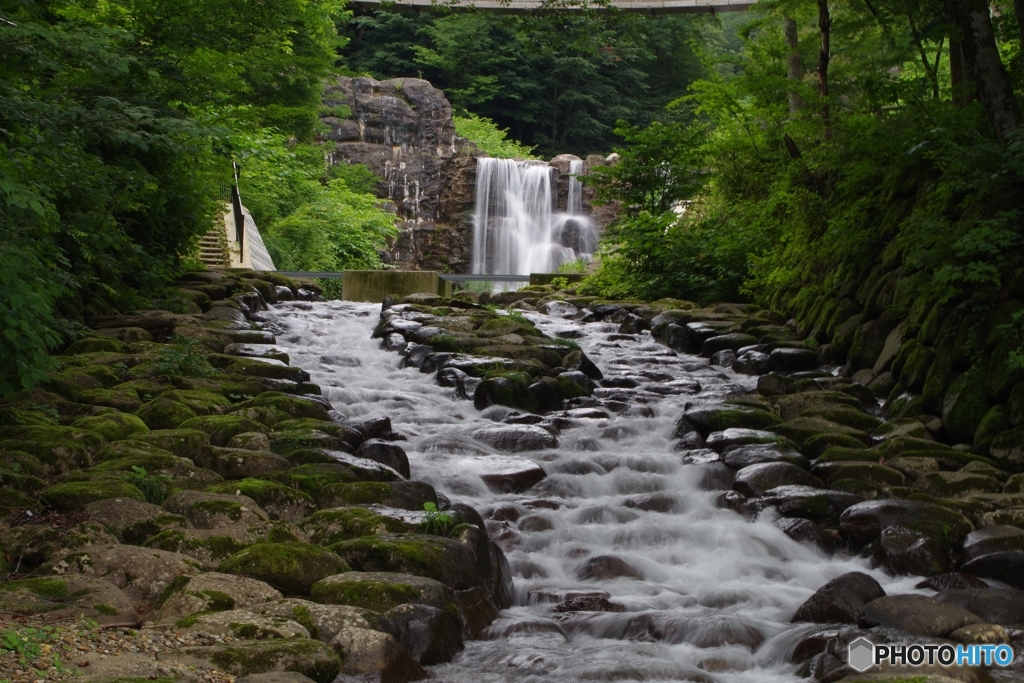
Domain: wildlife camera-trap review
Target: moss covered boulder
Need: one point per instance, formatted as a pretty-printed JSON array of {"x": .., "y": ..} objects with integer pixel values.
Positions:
[
  {"x": 213, "y": 510},
  {"x": 801, "y": 429},
  {"x": 322, "y": 621},
  {"x": 240, "y": 463},
  {"x": 70, "y": 596},
  {"x": 442, "y": 559},
  {"x": 222, "y": 428},
  {"x": 794, "y": 405},
  {"x": 312, "y": 478},
  {"x": 125, "y": 400},
  {"x": 59, "y": 449},
  {"x": 290, "y": 567},
  {"x": 71, "y": 383},
  {"x": 326, "y": 527},
  {"x": 380, "y": 591},
  {"x": 208, "y": 547},
  {"x": 1008, "y": 449},
  {"x": 870, "y": 472},
  {"x": 133, "y": 521},
  {"x": 405, "y": 495},
  {"x": 184, "y": 443},
  {"x": 965, "y": 406},
  {"x": 163, "y": 413},
  {"x": 957, "y": 484},
  {"x": 296, "y": 407},
  {"x": 142, "y": 573},
  {"x": 278, "y": 500},
  {"x": 31, "y": 545},
  {"x": 863, "y": 522},
  {"x": 311, "y": 658},
  {"x": 211, "y": 592},
  {"x": 76, "y": 495},
  {"x": 113, "y": 427},
  {"x": 199, "y": 401}
]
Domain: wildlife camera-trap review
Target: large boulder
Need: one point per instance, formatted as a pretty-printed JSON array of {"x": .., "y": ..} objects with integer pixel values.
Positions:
[
  {"x": 133, "y": 521},
  {"x": 30, "y": 545},
  {"x": 213, "y": 510},
  {"x": 443, "y": 559},
  {"x": 210, "y": 592},
  {"x": 142, "y": 573},
  {"x": 512, "y": 438},
  {"x": 277, "y": 500},
  {"x": 326, "y": 527},
  {"x": 993, "y": 605},
  {"x": 306, "y": 656},
  {"x": 864, "y": 521},
  {"x": 322, "y": 621},
  {"x": 67, "y": 596},
  {"x": 380, "y": 591},
  {"x": 840, "y": 600},
  {"x": 915, "y": 614},
  {"x": 427, "y": 633},
  {"x": 756, "y": 480},
  {"x": 291, "y": 567},
  {"x": 376, "y": 655},
  {"x": 242, "y": 625}
]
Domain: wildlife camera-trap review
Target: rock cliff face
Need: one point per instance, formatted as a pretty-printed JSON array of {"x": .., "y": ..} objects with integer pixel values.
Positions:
[{"x": 402, "y": 129}]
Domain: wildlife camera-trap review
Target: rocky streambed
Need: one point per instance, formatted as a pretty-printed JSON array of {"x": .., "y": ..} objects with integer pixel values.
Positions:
[{"x": 563, "y": 489}]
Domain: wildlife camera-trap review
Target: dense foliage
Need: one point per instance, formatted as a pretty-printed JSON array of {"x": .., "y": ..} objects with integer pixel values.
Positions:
[
  {"x": 118, "y": 123},
  {"x": 558, "y": 80},
  {"x": 486, "y": 135},
  {"x": 800, "y": 190}
]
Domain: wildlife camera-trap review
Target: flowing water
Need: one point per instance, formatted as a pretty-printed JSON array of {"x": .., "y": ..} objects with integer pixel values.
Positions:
[
  {"x": 716, "y": 591},
  {"x": 516, "y": 228}
]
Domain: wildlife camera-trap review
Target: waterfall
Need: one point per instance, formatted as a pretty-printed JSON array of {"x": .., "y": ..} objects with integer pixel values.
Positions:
[{"x": 516, "y": 230}]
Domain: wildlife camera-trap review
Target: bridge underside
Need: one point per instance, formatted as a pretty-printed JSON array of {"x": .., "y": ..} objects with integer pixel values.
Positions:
[{"x": 527, "y": 6}]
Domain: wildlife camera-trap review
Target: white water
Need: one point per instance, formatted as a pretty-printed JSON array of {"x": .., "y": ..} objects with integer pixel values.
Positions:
[
  {"x": 516, "y": 230},
  {"x": 717, "y": 592}
]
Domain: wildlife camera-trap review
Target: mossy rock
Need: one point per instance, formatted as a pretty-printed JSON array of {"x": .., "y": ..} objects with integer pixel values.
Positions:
[
  {"x": 820, "y": 443},
  {"x": 992, "y": 425},
  {"x": 212, "y": 510},
  {"x": 292, "y": 441},
  {"x": 866, "y": 471},
  {"x": 145, "y": 389},
  {"x": 280, "y": 501},
  {"x": 846, "y": 416},
  {"x": 96, "y": 345},
  {"x": 289, "y": 567},
  {"x": 208, "y": 547},
  {"x": 221, "y": 428},
  {"x": 240, "y": 463},
  {"x": 901, "y": 427},
  {"x": 76, "y": 495},
  {"x": 381, "y": 591},
  {"x": 262, "y": 414},
  {"x": 915, "y": 371},
  {"x": 442, "y": 559},
  {"x": 957, "y": 484},
  {"x": 294, "y": 406},
  {"x": 12, "y": 500},
  {"x": 1007, "y": 449},
  {"x": 59, "y": 449},
  {"x": 964, "y": 406},
  {"x": 200, "y": 401},
  {"x": 71, "y": 383},
  {"x": 358, "y": 493},
  {"x": 728, "y": 418},
  {"x": 326, "y": 527},
  {"x": 891, "y": 448},
  {"x": 124, "y": 400},
  {"x": 18, "y": 480},
  {"x": 940, "y": 377},
  {"x": 312, "y": 478},
  {"x": 31, "y": 545},
  {"x": 1015, "y": 406},
  {"x": 22, "y": 462},
  {"x": 846, "y": 454},
  {"x": 793, "y": 405},
  {"x": 311, "y": 658},
  {"x": 163, "y": 413},
  {"x": 113, "y": 427},
  {"x": 800, "y": 429},
  {"x": 184, "y": 443}
]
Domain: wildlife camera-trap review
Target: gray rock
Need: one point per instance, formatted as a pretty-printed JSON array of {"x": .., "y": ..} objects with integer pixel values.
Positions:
[
  {"x": 910, "y": 552},
  {"x": 515, "y": 438},
  {"x": 323, "y": 622},
  {"x": 212, "y": 510},
  {"x": 385, "y": 453},
  {"x": 756, "y": 480},
  {"x": 1007, "y": 567},
  {"x": 994, "y": 605},
  {"x": 806, "y": 531},
  {"x": 132, "y": 521},
  {"x": 915, "y": 614},
  {"x": 428, "y": 634},
  {"x": 992, "y": 539},
  {"x": 733, "y": 341},
  {"x": 792, "y": 360},
  {"x": 301, "y": 655},
  {"x": 376, "y": 655},
  {"x": 739, "y": 457},
  {"x": 212, "y": 591},
  {"x": 244, "y": 625},
  {"x": 840, "y": 600}
]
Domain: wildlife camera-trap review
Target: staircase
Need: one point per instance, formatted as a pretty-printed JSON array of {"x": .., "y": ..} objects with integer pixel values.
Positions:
[{"x": 213, "y": 248}]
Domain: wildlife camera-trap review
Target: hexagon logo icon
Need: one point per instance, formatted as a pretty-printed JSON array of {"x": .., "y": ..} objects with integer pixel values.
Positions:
[{"x": 862, "y": 654}]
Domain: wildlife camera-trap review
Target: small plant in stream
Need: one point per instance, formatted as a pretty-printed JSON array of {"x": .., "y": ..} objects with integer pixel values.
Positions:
[
  {"x": 435, "y": 522},
  {"x": 153, "y": 486},
  {"x": 184, "y": 357}
]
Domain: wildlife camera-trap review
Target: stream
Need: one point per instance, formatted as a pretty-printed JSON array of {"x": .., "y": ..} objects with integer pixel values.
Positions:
[{"x": 713, "y": 592}]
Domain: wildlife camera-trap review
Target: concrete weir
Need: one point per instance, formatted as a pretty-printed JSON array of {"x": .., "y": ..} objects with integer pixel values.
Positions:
[{"x": 373, "y": 285}]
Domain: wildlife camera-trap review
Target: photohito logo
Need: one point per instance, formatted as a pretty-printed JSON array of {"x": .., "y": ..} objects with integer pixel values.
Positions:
[{"x": 864, "y": 654}]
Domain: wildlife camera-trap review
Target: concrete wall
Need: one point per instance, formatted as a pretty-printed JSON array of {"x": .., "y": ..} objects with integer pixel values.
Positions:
[{"x": 374, "y": 285}]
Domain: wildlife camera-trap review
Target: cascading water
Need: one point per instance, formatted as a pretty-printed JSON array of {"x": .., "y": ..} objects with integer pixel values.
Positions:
[
  {"x": 712, "y": 593},
  {"x": 516, "y": 229}
]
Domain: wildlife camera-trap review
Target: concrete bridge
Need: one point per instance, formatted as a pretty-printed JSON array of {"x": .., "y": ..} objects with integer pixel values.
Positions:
[{"x": 526, "y": 6}]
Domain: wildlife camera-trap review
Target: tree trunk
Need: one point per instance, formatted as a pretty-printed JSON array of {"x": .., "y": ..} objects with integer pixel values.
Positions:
[
  {"x": 960, "y": 81},
  {"x": 794, "y": 64},
  {"x": 825, "y": 24},
  {"x": 1018, "y": 9},
  {"x": 982, "y": 58}
]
